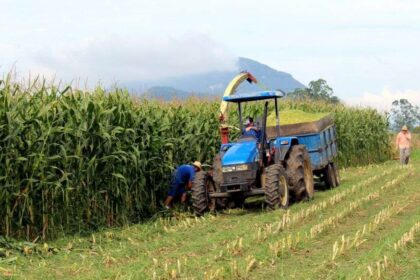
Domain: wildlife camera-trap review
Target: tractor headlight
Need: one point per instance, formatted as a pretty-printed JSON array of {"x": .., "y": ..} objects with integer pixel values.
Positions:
[
  {"x": 241, "y": 167},
  {"x": 228, "y": 168}
]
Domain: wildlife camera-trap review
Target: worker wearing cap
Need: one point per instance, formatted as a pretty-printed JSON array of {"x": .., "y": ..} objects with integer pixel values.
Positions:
[
  {"x": 182, "y": 179},
  {"x": 250, "y": 129},
  {"x": 403, "y": 144}
]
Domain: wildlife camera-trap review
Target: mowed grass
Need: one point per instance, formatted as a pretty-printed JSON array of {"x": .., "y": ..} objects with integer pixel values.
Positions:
[{"x": 344, "y": 233}]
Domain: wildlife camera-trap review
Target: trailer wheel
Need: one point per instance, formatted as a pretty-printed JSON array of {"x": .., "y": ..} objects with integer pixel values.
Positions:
[
  {"x": 203, "y": 185},
  {"x": 276, "y": 189},
  {"x": 299, "y": 173},
  {"x": 330, "y": 176},
  {"x": 336, "y": 174}
]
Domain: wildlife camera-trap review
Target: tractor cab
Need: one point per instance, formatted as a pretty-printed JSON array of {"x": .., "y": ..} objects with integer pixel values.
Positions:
[{"x": 252, "y": 147}]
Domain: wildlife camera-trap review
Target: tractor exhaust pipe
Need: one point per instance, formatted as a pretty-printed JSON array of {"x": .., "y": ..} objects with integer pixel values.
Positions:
[{"x": 263, "y": 136}]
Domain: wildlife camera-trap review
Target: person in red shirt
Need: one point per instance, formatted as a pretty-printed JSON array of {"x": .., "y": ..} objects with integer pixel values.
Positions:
[{"x": 403, "y": 144}]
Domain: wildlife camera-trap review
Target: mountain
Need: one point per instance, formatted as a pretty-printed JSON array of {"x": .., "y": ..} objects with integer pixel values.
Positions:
[
  {"x": 214, "y": 83},
  {"x": 165, "y": 93}
]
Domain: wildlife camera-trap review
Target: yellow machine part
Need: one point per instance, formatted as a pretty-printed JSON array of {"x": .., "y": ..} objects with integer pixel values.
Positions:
[{"x": 230, "y": 90}]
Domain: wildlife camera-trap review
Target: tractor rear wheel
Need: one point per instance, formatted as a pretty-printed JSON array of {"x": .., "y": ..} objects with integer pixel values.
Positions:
[
  {"x": 299, "y": 173},
  {"x": 203, "y": 185},
  {"x": 276, "y": 189},
  {"x": 330, "y": 176}
]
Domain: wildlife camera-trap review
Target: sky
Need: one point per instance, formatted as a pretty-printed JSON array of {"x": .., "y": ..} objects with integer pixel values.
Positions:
[{"x": 368, "y": 51}]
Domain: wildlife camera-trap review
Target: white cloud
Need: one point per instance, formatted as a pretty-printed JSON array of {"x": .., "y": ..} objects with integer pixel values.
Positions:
[
  {"x": 138, "y": 58},
  {"x": 356, "y": 45},
  {"x": 383, "y": 101}
]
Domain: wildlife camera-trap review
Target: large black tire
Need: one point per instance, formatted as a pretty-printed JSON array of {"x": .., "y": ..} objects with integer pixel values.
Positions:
[
  {"x": 202, "y": 186},
  {"x": 337, "y": 174},
  {"x": 299, "y": 173},
  {"x": 330, "y": 176},
  {"x": 276, "y": 189}
]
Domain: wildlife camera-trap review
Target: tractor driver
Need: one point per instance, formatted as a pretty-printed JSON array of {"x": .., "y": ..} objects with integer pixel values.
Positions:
[
  {"x": 251, "y": 129},
  {"x": 182, "y": 178}
]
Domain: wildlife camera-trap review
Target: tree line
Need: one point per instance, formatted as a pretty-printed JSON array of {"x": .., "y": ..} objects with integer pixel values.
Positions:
[{"x": 402, "y": 111}]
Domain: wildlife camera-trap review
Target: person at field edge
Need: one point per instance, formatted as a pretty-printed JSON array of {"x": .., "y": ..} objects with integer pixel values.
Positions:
[
  {"x": 182, "y": 179},
  {"x": 403, "y": 144},
  {"x": 251, "y": 129}
]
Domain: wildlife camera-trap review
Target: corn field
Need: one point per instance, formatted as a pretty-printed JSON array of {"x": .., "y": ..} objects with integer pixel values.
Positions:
[{"x": 73, "y": 161}]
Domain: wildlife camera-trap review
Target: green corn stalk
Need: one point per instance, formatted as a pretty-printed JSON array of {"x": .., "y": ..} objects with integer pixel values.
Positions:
[{"x": 73, "y": 161}]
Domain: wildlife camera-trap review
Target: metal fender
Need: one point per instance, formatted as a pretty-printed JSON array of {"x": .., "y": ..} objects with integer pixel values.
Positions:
[{"x": 285, "y": 143}]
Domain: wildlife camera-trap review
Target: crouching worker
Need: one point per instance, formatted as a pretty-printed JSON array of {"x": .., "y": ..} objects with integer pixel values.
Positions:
[{"x": 182, "y": 179}]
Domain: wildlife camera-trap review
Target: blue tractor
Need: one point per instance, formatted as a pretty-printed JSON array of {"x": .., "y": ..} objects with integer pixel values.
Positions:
[{"x": 276, "y": 167}]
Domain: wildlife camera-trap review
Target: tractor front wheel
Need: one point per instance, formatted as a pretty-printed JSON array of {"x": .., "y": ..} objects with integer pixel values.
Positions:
[
  {"x": 203, "y": 185},
  {"x": 276, "y": 189}
]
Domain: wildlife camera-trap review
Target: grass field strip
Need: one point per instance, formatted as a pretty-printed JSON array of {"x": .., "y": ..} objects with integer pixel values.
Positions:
[
  {"x": 278, "y": 248},
  {"x": 355, "y": 172},
  {"x": 292, "y": 241},
  {"x": 234, "y": 252},
  {"x": 407, "y": 237},
  {"x": 288, "y": 220},
  {"x": 184, "y": 222},
  {"x": 236, "y": 248},
  {"x": 347, "y": 243},
  {"x": 377, "y": 270}
]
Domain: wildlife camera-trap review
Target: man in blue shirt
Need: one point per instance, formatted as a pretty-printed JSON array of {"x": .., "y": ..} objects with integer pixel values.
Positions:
[
  {"x": 182, "y": 179},
  {"x": 250, "y": 129}
]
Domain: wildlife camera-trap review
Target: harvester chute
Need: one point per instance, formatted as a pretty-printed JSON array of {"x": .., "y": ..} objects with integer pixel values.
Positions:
[{"x": 230, "y": 90}]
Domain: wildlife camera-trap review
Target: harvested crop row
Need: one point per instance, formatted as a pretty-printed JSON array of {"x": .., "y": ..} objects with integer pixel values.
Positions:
[
  {"x": 347, "y": 243},
  {"x": 379, "y": 268},
  {"x": 290, "y": 241},
  {"x": 239, "y": 247},
  {"x": 288, "y": 219}
]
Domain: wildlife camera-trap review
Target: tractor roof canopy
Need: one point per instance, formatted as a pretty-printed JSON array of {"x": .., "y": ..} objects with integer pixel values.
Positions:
[{"x": 253, "y": 96}]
